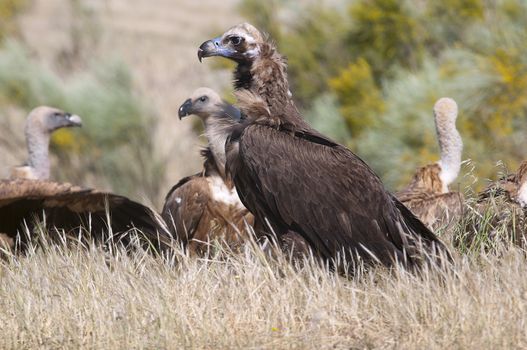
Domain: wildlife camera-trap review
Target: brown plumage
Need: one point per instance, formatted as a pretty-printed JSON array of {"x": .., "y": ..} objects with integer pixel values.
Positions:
[
  {"x": 80, "y": 213},
  {"x": 27, "y": 204},
  {"x": 205, "y": 206},
  {"x": 428, "y": 195},
  {"x": 512, "y": 187},
  {"x": 243, "y": 43},
  {"x": 301, "y": 181},
  {"x": 258, "y": 65},
  {"x": 500, "y": 212}
]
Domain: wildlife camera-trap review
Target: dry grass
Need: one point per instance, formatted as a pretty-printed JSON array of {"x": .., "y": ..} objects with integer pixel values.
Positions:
[
  {"x": 78, "y": 298},
  {"x": 69, "y": 298}
]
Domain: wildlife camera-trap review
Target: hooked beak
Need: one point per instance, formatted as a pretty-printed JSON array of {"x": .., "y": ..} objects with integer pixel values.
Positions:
[
  {"x": 185, "y": 109},
  {"x": 214, "y": 47},
  {"x": 73, "y": 120}
]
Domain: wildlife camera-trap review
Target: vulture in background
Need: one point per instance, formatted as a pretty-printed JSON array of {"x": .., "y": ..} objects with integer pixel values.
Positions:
[
  {"x": 30, "y": 201},
  {"x": 500, "y": 212},
  {"x": 512, "y": 187},
  {"x": 298, "y": 180},
  {"x": 40, "y": 124},
  {"x": 428, "y": 195},
  {"x": 205, "y": 206}
]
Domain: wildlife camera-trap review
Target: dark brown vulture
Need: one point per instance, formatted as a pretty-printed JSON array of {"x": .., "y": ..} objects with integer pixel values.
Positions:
[
  {"x": 428, "y": 195},
  {"x": 31, "y": 202},
  {"x": 500, "y": 212},
  {"x": 205, "y": 206},
  {"x": 301, "y": 182},
  {"x": 257, "y": 76}
]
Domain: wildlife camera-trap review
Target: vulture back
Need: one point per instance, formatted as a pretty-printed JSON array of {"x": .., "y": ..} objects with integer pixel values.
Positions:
[{"x": 77, "y": 212}]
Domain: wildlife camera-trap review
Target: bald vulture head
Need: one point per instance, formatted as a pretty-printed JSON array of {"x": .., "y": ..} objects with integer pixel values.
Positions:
[
  {"x": 45, "y": 120},
  {"x": 450, "y": 142},
  {"x": 40, "y": 124},
  {"x": 218, "y": 117},
  {"x": 240, "y": 43},
  {"x": 206, "y": 103}
]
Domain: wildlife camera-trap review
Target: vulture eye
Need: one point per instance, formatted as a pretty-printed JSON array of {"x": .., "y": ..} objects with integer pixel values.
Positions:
[
  {"x": 203, "y": 98},
  {"x": 236, "y": 40},
  {"x": 57, "y": 114}
]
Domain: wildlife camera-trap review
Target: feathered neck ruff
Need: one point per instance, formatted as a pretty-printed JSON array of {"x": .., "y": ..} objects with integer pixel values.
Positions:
[{"x": 265, "y": 76}]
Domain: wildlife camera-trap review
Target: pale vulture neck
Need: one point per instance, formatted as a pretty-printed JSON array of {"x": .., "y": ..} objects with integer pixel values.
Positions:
[
  {"x": 216, "y": 130},
  {"x": 38, "y": 149},
  {"x": 450, "y": 145}
]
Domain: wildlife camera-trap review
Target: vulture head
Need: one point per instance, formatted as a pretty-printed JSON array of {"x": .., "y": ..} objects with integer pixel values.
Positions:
[
  {"x": 45, "y": 120},
  {"x": 49, "y": 119},
  {"x": 206, "y": 103},
  {"x": 240, "y": 43},
  {"x": 40, "y": 123},
  {"x": 218, "y": 118}
]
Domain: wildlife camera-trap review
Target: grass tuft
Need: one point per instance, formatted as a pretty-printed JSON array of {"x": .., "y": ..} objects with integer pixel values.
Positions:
[{"x": 86, "y": 297}]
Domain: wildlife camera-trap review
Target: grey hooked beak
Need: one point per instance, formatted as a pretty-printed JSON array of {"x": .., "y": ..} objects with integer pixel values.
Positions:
[
  {"x": 74, "y": 120},
  {"x": 214, "y": 47},
  {"x": 185, "y": 109}
]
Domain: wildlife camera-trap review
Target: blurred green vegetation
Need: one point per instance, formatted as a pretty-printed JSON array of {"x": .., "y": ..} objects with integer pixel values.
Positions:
[
  {"x": 376, "y": 68},
  {"x": 115, "y": 140},
  {"x": 114, "y": 148}
]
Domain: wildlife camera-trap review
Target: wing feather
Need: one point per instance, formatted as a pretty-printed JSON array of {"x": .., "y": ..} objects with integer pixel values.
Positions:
[
  {"x": 185, "y": 206},
  {"x": 322, "y": 191},
  {"x": 69, "y": 208}
]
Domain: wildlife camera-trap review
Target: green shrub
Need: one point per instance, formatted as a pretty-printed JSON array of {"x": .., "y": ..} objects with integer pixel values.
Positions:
[
  {"x": 386, "y": 34},
  {"x": 360, "y": 100},
  {"x": 324, "y": 116}
]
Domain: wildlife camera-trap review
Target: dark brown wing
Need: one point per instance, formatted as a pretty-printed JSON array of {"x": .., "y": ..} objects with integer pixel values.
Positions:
[
  {"x": 323, "y": 192},
  {"x": 77, "y": 211},
  {"x": 185, "y": 205}
]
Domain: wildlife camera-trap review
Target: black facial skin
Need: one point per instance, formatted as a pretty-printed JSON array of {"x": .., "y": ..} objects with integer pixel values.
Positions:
[
  {"x": 232, "y": 47},
  {"x": 63, "y": 120},
  {"x": 189, "y": 108}
]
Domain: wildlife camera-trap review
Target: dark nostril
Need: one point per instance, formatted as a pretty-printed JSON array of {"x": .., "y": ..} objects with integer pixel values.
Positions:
[{"x": 216, "y": 43}]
